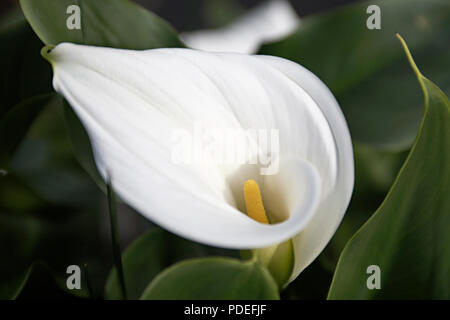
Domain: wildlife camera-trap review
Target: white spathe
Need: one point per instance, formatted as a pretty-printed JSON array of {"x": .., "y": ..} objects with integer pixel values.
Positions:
[
  {"x": 268, "y": 22},
  {"x": 131, "y": 102}
]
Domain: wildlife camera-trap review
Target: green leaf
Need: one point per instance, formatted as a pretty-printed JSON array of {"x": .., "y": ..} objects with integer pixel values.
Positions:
[
  {"x": 110, "y": 23},
  {"x": 407, "y": 237},
  {"x": 356, "y": 63},
  {"x": 150, "y": 254},
  {"x": 15, "y": 123},
  {"x": 213, "y": 279},
  {"x": 142, "y": 261}
]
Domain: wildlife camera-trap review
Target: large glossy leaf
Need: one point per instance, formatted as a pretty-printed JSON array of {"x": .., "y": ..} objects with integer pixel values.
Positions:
[
  {"x": 364, "y": 68},
  {"x": 408, "y": 236},
  {"x": 111, "y": 23},
  {"x": 150, "y": 254},
  {"x": 212, "y": 279}
]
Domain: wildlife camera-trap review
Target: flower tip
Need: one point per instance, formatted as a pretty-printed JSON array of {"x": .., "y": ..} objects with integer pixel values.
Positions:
[{"x": 409, "y": 56}]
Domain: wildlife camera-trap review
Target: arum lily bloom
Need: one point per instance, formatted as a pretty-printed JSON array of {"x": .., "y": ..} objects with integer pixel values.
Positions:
[
  {"x": 268, "y": 22},
  {"x": 132, "y": 102}
]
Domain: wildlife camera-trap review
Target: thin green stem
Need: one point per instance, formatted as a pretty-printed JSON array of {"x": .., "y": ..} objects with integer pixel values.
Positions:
[{"x": 115, "y": 238}]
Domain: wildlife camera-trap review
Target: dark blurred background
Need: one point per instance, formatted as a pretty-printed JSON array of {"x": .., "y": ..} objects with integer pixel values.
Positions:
[{"x": 196, "y": 14}]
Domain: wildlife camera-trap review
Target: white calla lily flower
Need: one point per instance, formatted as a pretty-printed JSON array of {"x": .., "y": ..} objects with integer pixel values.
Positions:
[
  {"x": 132, "y": 102},
  {"x": 268, "y": 22}
]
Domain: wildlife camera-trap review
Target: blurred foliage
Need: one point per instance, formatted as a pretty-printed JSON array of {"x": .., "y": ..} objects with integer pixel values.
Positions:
[
  {"x": 15, "y": 123},
  {"x": 44, "y": 160},
  {"x": 366, "y": 69},
  {"x": 219, "y": 13},
  {"x": 52, "y": 211},
  {"x": 375, "y": 171},
  {"x": 124, "y": 25},
  {"x": 24, "y": 73},
  {"x": 149, "y": 255},
  {"x": 49, "y": 207}
]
